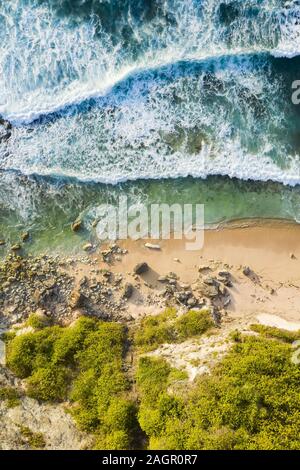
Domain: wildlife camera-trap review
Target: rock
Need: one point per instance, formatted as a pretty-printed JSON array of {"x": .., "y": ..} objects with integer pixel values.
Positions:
[
  {"x": 172, "y": 275},
  {"x": 216, "y": 315},
  {"x": 225, "y": 274},
  {"x": 227, "y": 301},
  {"x": 128, "y": 290},
  {"x": 5, "y": 130},
  {"x": 151, "y": 246},
  {"x": 25, "y": 236},
  {"x": 76, "y": 299},
  {"x": 210, "y": 281},
  {"x": 203, "y": 267},
  {"x": 209, "y": 291},
  {"x": 223, "y": 290},
  {"x": 177, "y": 260},
  {"x": 76, "y": 225},
  {"x": 292, "y": 256},
  {"x": 16, "y": 247},
  {"x": 192, "y": 302},
  {"x": 87, "y": 247},
  {"x": 2, "y": 242},
  {"x": 184, "y": 286},
  {"x": 163, "y": 279},
  {"x": 141, "y": 268},
  {"x": 246, "y": 271}
]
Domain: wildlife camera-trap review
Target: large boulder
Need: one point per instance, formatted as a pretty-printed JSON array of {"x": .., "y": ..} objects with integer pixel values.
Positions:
[
  {"x": 141, "y": 268},
  {"x": 5, "y": 130}
]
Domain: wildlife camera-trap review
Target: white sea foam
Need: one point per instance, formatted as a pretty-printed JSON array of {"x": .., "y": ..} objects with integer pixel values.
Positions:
[
  {"x": 48, "y": 63},
  {"x": 152, "y": 126}
]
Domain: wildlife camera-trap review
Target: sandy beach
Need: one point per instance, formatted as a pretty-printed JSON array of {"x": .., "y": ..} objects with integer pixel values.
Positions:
[{"x": 271, "y": 249}]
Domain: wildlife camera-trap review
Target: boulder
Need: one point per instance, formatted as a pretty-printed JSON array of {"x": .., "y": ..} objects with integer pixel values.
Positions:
[
  {"x": 76, "y": 299},
  {"x": 5, "y": 130},
  {"x": 25, "y": 236},
  {"x": 247, "y": 271},
  {"x": 76, "y": 225},
  {"x": 141, "y": 268},
  {"x": 128, "y": 290},
  {"x": 87, "y": 247}
]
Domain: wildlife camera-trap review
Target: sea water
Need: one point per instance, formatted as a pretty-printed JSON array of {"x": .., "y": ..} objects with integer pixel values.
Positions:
[{"x": 161, "y": 100}]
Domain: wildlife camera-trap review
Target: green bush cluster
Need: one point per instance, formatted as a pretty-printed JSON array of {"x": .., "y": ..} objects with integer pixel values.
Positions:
[
  {"x": 37, "y": 321},
  {"x": 277, "y": 333},
  {"x": 83, "y": 363},
  {"x": 35, "y": 440},
  {"x": 168, "y": 328},
  {"x": 10, "y": 396},
  {"x": 250, "y": 401}
]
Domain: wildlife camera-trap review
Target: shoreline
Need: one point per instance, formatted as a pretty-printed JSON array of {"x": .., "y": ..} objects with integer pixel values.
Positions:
[
  {"x": 268, "y": 248},
  {"x": 271, "y": 249}
]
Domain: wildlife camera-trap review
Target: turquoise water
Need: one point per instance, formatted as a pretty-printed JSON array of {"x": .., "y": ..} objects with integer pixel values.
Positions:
[{"x": 162, "y": 100}]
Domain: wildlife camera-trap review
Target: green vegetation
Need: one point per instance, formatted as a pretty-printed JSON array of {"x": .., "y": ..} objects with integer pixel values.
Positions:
[
  {"x": 276, "y": 333},
  {"x": 168, "y": 328},
  {"x": 35, "y": 440},
  {"x": 37, "y": 321},
  {"x": 10, "y": 396},
  {"x": 83, "y": 363},
  {"x": 250, "y": 401}
]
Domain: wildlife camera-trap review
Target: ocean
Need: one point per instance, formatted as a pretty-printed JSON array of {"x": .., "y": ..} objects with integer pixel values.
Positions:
[{"x": 160, "y": 100}]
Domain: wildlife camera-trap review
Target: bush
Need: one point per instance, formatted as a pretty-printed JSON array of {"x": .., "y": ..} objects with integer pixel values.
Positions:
[
  {"x": 250, "y": 401},
  {"x": 272, "y": 332},
  {"x": 82, "y": 363},
  {"x": 117, "y": 440},
  {"x": 10, "y": 395},
  {"x": 167, "y": 328},
  {"x": 49, "y": 384},
  {"x": 37, "y": 321},
  {"x": 156, "y": 330},
  {"x": 34, "y": 439},
  {"x": 193, "y": 323}
]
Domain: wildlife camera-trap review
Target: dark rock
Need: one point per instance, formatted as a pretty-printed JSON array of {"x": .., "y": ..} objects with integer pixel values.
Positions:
[
  {"x": 210, "y": 281},
  {"x": 25, "y": 236},
  {"x": 128, "y": 290},
  {"x": 141, "y": 268},
  {"x": 76, "y": 226},
  {"x": 5, "y": 130},
  {"x": 247, "y": 271},
  {"x": 224, "y": 274}
]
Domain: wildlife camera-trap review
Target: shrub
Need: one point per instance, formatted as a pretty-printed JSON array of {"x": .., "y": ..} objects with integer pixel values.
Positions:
[
  {"x": 37, "y": 321},
  {"x": 35, "y": 440},
  {"x": 249, "y": 401},
  {"x": 82, "y": 363},
  {"x": 20, "y": 354},
  {"x": 10, "y": 395},
  {"x": 49, "y": 384},
  {"x": 156, "y": 330},
  {"x": 193, "y": 323},
  {"x": 272, "y": 332},
  {"x": 167, "y": 328},
  {"x": 117, "y": 440}
]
